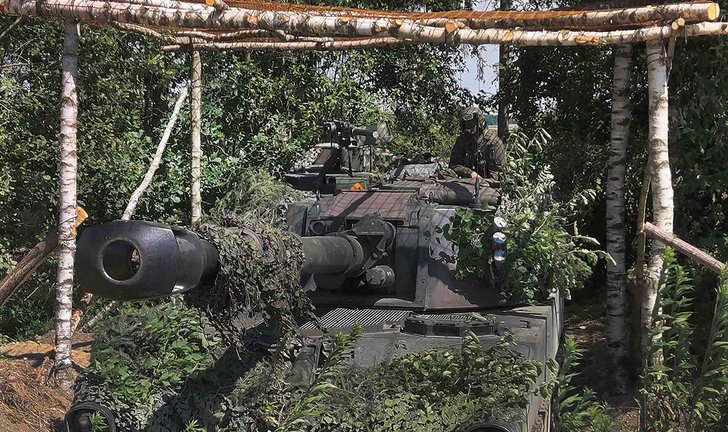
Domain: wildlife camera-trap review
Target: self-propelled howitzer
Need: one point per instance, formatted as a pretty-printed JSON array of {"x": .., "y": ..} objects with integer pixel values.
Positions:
[{"x": 381, "y": 257}]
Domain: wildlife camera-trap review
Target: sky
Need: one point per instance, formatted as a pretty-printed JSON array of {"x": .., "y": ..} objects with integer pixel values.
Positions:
[
  {"x": 489, "y": 55},
  {"x": 489, "y": 82}
]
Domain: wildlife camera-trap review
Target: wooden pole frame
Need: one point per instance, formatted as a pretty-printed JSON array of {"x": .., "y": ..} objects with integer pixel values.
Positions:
[
  {"x": 195, "y": 136},
  {"x": 67, "y": 205},
  {"x": 542, "y": 28}
]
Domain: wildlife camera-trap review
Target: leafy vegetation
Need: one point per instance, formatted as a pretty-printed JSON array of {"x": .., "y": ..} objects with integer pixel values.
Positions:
[
  {"x": 685, "y": 386},
  {"x": 579, "y": 409},
  {"x": 545, "y": 253},
  {"x": 150, "y": 349},
  {"x": 433, "y": 390},
  {"x": 158, "y": 365}
]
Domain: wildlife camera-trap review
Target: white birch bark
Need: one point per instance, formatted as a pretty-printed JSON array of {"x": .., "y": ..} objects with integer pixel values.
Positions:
[
  {"x": 324, "y": 45},
  {"x": 156, "y": 159},
  {"x": 195, "y": 141},
  {"x": 349, "y": 23},
  {"x": 67, "y": 206},
  {"x": 310, "y": 24},
  {"x": 617, "y": 271},
  {"x": 662, "y": 193}
]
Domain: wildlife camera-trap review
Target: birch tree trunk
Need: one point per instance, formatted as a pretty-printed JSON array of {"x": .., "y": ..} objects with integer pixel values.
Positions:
[
  {"x": 156, "y": 159},
  {"x": 662, "y": 193},
  {"x": 196, "y": 148},
  {"x": 67, "y": 206},
  {"x": 617, "y": 272}
]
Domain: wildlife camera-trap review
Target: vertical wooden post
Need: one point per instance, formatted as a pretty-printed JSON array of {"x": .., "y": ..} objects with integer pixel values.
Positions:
[
  {"x": 502, "y": 81},
  {"x": 659, "y": 165},
  {"x": 67, "y": 205},
  {"x": 617, "y": 272},
  {"x": 196, "y": 148}
]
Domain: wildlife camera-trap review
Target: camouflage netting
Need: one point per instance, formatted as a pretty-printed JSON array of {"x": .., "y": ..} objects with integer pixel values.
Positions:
[
  {"x": 260, "y": 273},
  {"x": 260, "y": 263}
]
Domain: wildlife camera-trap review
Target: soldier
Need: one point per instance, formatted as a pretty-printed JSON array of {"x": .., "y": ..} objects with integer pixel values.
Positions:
[{"x": 478, "y": 152}]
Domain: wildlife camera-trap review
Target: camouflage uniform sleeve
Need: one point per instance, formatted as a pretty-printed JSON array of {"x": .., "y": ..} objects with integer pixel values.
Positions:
[
  {"x": 458, "y": 159},
  {"x": 496, "y": 156}
]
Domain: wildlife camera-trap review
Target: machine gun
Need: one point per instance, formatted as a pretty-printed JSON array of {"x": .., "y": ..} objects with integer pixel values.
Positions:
[{"x": 346, "y": 159}]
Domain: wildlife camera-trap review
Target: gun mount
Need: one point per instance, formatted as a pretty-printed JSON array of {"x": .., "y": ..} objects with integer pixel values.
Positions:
[{"x": 345, "y": 160}]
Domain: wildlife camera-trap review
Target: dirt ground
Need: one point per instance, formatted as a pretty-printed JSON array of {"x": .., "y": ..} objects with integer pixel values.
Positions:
[
  {"x": 27, "y": 403},
  {"x": 584, "y": 322}
]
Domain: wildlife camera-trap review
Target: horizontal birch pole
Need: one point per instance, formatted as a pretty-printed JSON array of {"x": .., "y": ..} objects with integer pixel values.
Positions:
[
  {"x": 223, "y": 37},
  {"x": 690, "y": 12},
  {"x": 683, "y": 247},
  {"x": 424, "y": 34},
  {"x": 182, "y": 15},
  {"x": 301, "y": 24},
  {"x": 475, "y": 37},
  {"x": 291, "y": 46}
]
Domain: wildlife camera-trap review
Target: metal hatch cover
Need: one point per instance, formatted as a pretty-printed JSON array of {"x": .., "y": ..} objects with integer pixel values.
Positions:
[{"x": 389, "y": 205}]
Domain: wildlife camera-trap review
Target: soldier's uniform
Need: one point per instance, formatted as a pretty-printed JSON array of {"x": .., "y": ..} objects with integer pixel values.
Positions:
[{"x": 477, "y": 149}]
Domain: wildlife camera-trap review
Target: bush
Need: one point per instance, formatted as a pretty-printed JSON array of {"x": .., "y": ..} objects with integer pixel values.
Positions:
[
  {"x": 543, "y": 256},
  {"x": 685, "y": 386},
  {"x": 579, "y": 410}
]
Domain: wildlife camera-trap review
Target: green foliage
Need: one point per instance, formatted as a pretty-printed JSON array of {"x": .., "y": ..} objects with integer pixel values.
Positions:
[
  {"x": 710, "y": 409},
  {"x": 543, "y": 256},
  {"x": 474, "y": 252},
  {"x": 680, "y": 391},
  {"x": 578, "y": 410},
  {"x": 151, "y": 377},
  {"x": 98, "y": 422},
  {"x": 433, "y": 390},
  {"x": 254, "y": 196},
  {"x": 311, "y": 405},
  {"x": 146, "y": 350},
  {"x": 698, "y": 101},
  {"x": 29, "y": 312}
]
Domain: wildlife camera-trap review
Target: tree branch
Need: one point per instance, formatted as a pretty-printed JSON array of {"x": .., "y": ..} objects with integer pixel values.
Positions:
[
  {"x": 684, "y": 247},
  {"x": 11, "y": 26}
]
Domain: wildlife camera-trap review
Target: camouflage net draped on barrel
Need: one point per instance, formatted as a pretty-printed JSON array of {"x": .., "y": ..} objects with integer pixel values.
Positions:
[{"x": 260, "y": 273}]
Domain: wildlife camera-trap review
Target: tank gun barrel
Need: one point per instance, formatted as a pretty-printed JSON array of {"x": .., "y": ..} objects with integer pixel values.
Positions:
[{"x": 135, "y": 260}]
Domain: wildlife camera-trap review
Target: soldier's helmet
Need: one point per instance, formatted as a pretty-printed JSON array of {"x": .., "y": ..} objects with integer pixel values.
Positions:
[{"x": 472, "y": 119}]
